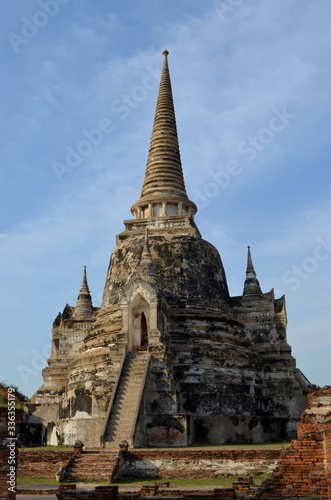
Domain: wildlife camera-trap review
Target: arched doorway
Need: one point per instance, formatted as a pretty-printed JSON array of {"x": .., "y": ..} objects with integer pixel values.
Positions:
[{"x": 138, "y": 324}]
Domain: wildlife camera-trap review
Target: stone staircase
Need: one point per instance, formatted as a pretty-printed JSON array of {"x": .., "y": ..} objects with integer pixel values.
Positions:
[
  {"x": 122, "y": 418},
  {"x": 92, "y": 466}
]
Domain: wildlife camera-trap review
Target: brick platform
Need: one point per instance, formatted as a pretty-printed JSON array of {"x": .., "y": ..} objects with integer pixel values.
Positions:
[
  {"x": 168, "y": 463},
  {"x": 304, "y": 472},
  {"x": 69, "y": 492},
  {"x": 41, "y": 463},
  {"x": 203, "y": 463}
]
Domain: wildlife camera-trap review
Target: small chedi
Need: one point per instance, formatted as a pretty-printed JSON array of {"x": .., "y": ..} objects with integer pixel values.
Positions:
[{"x": 170, "y": 358}]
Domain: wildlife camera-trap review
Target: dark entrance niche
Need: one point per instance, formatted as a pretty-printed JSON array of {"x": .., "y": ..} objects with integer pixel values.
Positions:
[{"x": 144, "y": 337}]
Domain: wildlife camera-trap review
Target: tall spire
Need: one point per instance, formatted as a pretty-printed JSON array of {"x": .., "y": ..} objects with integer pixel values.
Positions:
[
  {"x": 84, "y": 305},
  {"x": 163, "y": 191},
  {"x": 252, "y": 287},
  {"x": 164, "y": 169}
]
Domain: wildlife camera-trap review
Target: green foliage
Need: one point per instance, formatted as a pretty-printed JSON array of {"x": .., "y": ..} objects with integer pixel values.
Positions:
[
  {"x": 3, "y": 400},
  {"x": 20, "y": 397}
]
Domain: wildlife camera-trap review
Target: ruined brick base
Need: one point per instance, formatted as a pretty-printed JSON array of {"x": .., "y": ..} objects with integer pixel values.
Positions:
[
  {"x": 180, "y": 463},
  {"x": 46, "y": 464},
  {"x": 304, "y": 472},
  {"x": 69, "y": 492},
  {"x": 199, "y": 463}
]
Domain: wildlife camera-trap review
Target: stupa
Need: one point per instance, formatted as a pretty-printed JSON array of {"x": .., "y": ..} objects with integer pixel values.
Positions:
[{"x": 170, "y": 358}]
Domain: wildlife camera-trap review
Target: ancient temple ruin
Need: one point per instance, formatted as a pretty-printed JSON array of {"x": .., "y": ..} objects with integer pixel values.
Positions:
[{"x": 170, "y": 358}]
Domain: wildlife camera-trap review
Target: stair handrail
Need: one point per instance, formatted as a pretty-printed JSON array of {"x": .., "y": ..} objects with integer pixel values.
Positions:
[
  {"x": 111, "y": 402},
  {"x": 136, "y": 413}
]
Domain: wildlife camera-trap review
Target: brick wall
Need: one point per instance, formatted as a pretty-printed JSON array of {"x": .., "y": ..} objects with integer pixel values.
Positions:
[
  {"x": 327, "y": 450},
  {"x": 8, "y": 461},
  {"x": 42, "y": 463},
  {"x": 304, "y": 471}
]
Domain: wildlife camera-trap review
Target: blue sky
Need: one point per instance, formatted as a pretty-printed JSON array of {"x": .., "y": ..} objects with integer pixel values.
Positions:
[{"x": 79, "y": 80}]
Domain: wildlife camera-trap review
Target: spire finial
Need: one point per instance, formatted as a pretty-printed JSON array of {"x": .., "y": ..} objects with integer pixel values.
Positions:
[
  {"x": 84, "y": 278},
  {"x": 252, "y": 287},
  {"x": 84, "y": 306},
  {"x": 250, "y": 267},
  {"x": 165, "y": 60},
  {"x": 165, "y": 53}
]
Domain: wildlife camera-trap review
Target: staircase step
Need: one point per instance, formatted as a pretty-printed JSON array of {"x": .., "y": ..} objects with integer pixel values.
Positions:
[
  {"x": 92, "y": 466},
  {"x": 122, "y": 416}
]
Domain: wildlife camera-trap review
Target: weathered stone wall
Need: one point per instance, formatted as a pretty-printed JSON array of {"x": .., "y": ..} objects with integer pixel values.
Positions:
[
  {"x": 189, "y": 463},
  {"x": 77, "y": 411},
  {"x": 66, "y": 432},
  {"x": 188, "y": 268},
  {"x": 238, "y": 428},
  {"x": 230, "y": 391}
]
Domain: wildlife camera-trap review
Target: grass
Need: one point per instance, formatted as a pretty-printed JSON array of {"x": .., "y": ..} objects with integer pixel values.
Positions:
[
  {"x": 36, "y": 480},
  {"x": 265, "y": 446},
  {"x": 48, "y": 448},
  {"x": 214, "y": 482}
]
